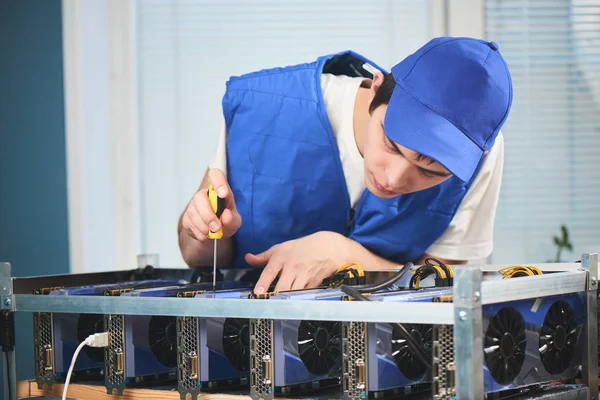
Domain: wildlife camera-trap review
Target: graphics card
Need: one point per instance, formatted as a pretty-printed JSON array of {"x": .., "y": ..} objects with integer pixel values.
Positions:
[
  {"x": 213, "y": 352},
  {"x": 378, "y": 362},
  {"x": 532, "y": 341},
  {"x": 291, "y": 356}
]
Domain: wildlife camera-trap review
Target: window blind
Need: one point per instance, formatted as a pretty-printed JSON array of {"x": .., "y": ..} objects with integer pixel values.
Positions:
[
  {"x": 552, "y": 137},
  {"x": 188, "y": 49}
]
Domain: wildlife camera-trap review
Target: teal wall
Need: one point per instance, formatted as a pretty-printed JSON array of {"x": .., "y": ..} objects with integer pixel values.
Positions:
[{"x": 33, "y": 187}]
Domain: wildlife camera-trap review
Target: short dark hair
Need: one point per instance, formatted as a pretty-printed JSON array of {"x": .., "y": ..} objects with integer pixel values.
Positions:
[{"x": 384, "y": 94}]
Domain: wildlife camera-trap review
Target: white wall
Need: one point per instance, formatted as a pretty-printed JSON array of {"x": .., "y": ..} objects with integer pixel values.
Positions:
[
  {"x": 552, "y": 136},
  {"x": 101, "y": 134}
]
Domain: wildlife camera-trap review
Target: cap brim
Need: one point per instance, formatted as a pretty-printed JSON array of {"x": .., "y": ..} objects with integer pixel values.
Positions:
[{"x": 417, "y": 127}]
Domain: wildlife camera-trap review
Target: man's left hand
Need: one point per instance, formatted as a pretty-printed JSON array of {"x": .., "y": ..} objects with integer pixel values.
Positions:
[{"x": 301, "y": 263}]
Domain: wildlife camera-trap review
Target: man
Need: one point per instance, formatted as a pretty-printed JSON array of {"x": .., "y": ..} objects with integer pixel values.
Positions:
[{"x": 336, "y": 161}]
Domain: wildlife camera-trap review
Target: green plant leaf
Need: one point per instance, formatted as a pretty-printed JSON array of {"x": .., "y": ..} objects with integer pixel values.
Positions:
[
  {"x": 569, "y": 246},
  {"x": 562, "y": 242}
]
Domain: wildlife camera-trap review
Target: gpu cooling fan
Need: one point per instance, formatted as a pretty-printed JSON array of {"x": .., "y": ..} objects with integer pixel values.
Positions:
[
  {"x": 87, "y": 325},
  {"x": 162, "y": 337},
  {"x": 558, "y": 337},
  {"x": 319, "y": 345},
  {"x": 236, "y": 342},
  {"x": 504, "y": 345},
  {"x": 407, "y": 361}
]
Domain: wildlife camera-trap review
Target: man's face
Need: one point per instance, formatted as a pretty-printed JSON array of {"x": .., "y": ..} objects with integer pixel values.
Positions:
[{"x": 391, "y": 169}]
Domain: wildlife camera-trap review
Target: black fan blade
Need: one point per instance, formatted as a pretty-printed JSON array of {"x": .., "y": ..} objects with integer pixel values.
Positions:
[
  {"x": 306, "y": 332},
  {"x": 162, "y": 338},
  {"x": 322, "y": 361},
  {"x": 406, "y": 361},
  {"x": 334, "y": 342},
  {"x": 236, "y": 340},
  {"x": 312, "y": 361},
  {"x": 504, "y": 345},
  {"x": 232, "y": 329},
  {"x": 304, "y": 349},
  {"x": 553, "y": 317},
  {"x": 328, "y": 357}
]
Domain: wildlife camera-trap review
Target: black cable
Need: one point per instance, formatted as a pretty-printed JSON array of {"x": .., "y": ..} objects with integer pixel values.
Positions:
[
  {"x": 373, "y": 288},
  {"x": 439, "y": 264},
  {"x": 349, "y": 276},
  {"x": 518, "y": 392},
  {"x": 8, "y": 376},
  {"x": 444, "y": 275},
  {"x": 421, "y": 273},
  {"x": 410, "y": 341},
  {"x": 7, "y": 341}
]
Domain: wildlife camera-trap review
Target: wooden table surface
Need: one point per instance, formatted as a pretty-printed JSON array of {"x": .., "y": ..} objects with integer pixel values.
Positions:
[
  {"x": 79, "y": 391},
  {"x": 29, "y": 389}
]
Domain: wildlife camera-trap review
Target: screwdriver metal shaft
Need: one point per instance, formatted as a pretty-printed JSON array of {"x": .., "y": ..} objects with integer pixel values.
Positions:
[
  {"x": 218, "y": 206},
  {"x": 215, "y": 267}
]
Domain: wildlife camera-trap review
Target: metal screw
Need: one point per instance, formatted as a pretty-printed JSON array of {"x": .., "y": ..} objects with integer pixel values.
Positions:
[
  {"x": 7, "y": 302},
  {"x": 463, "y": 315}
]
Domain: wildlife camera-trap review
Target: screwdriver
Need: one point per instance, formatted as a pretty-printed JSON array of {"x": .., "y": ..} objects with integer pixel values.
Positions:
[{"x": 218, "y": 206}]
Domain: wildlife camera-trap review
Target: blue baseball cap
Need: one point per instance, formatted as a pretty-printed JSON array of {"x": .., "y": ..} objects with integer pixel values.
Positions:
[{"x": 451, "y": 98}]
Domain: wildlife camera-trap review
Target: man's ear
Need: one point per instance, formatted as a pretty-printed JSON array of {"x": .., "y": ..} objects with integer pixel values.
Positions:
[{"x": 375, "y": 84}]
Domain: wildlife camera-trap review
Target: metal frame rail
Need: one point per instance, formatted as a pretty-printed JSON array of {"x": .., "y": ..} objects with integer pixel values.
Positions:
[{"x": 471, "y": 291}]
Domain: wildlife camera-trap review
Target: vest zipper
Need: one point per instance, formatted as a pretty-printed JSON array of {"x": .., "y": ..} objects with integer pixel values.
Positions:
[{"x": 350, "y": 223}]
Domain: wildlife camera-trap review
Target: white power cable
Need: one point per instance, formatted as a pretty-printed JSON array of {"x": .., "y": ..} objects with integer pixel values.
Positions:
[{"x": 95, "y": 340}]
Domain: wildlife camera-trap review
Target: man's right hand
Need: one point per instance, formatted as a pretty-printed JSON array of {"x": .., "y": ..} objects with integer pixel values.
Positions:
[{"x": 199, "y": 215}]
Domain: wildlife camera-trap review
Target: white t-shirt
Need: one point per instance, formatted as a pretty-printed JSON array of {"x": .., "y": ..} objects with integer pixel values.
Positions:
[{"x": 470, "y": 233}]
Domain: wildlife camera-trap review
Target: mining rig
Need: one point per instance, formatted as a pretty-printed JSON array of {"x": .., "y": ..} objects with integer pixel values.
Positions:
[{"x": 475, "y": 333}]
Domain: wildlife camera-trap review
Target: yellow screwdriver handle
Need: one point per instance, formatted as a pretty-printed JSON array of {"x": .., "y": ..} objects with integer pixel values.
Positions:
[{"x": 218, "y": 206}]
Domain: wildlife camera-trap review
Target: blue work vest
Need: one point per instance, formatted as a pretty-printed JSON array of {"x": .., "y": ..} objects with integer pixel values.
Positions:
[{"x": 286, "y": 174}]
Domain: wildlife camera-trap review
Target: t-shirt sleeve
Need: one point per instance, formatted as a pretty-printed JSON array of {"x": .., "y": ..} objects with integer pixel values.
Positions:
[
  {"x": 470, "y": 234},
  {"x": 220, "y": 158}
]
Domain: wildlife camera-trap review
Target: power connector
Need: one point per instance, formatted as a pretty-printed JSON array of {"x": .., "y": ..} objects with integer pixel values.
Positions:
[{"x": 96, "y": 340}]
